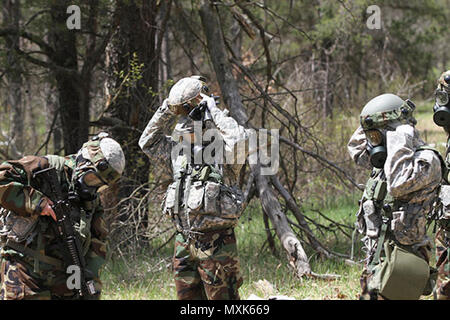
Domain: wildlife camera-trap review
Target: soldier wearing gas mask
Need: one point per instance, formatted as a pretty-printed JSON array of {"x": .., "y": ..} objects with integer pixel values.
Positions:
[
  {"x": 33, "y": 256},
  {"x": 442, "y": 215},
  {"x": 203, "y": 201},
  {"x": 398, "y": 198}
]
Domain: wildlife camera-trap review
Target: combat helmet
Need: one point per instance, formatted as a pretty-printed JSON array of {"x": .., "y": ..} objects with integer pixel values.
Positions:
[
  {"x": 441, "y": 110},
  {"x": 385, "y": 109},
  {"x": 184, "y": 91},
  {"x": 105, "y": 154},
  {"x": 377, "y": 116}
]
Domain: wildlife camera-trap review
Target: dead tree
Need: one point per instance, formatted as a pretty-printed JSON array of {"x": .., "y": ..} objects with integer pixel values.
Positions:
[{"x": 265, "y": 188}]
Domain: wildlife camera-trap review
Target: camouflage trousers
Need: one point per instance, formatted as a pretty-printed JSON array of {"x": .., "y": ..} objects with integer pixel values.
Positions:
[
  {"x": 207, "y": 267},
  {"x": 443, "y": 264},
  {"x": 20, "y": 282}
]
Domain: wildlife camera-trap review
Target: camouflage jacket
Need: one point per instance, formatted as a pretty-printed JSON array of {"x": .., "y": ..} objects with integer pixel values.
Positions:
[
  {"x": 403, "y": 192},
  {"x": 22, "y": 198},
  {"x": 209, "y": 198}
]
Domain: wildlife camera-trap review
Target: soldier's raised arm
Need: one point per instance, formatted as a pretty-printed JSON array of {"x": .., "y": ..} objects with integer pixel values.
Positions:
[
  {"x": 409, "y": 168},
  {"x": 357, "y": 148},
  {"x": 232, "y": 132},
  {"x": 156, "y": 133}
]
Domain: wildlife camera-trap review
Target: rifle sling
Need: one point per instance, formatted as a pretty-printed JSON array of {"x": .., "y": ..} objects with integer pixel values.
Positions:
[{"x": 35, "y": 254}]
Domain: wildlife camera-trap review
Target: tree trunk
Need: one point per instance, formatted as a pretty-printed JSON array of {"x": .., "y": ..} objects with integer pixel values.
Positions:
[
  {"x": 129, "y": 97},
  {"x": 11, "y": 18},
  {"x": 327, "y": 112},
  {"x": 232, "y": 98},
  {"x": 165, "y": 72},
  {"x": 74, "y": 114},
  {"x": 236, "y": 33},
  {"x": 52, "y": 111}
]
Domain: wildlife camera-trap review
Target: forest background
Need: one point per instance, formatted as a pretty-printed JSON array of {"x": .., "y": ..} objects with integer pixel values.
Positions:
[{"x": 69, "y": 69}]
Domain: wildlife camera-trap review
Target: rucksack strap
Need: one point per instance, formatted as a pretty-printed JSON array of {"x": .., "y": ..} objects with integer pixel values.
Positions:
[{"x": 376, "y": 258}]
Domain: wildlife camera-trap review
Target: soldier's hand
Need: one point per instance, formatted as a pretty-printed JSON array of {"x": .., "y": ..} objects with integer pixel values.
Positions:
[
  {"x": 211, "y": 102},
  {"x": 48, "y": 211},
  {"x": 165, "y": 108},
  {"x": 165, "y": 104},
  {"x": 402, "y": 137},
  {"x": 207, "y": 98},
  {"x": 406, "y": 130}
]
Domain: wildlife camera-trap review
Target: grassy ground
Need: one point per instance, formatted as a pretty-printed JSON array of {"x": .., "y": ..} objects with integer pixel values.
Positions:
[{"x": 147, "y": 275}]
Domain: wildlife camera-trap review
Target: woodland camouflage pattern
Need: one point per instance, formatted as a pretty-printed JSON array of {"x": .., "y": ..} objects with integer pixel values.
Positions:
[
  {"x": 408, "y": 184},
  {"x": 208, "y": 267},
  {"x": 20, "y": 282},
  {"x": 204, "y": 257},
  {"x": 22, "y": 198}
]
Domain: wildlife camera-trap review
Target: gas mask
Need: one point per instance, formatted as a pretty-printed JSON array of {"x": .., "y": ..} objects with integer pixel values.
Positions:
[
  {"x": 88, "y": 182},
  {"x": 198, "y": 113},
  {"x": 376, "y": 147},
  {"x": 201, "y": 112},
  {"x": 441, "y": 115},
  {"x": 99, "y": 163},
  {"x": 379, "y": 115}
]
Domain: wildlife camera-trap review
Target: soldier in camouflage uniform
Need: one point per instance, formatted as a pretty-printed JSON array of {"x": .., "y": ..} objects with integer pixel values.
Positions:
[
  {"x": 397, "y": 200},
  {"x": 442, "y": 237},
  {"x": 203, "y": 201},
  {"x": 32, "y": 261}
]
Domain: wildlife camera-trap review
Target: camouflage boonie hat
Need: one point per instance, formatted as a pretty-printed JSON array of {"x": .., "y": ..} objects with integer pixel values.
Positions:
[
  {"x": 106, "y": 155},
  {"x": 187, "y": 89},
  {"x": 379, "y": 120}
]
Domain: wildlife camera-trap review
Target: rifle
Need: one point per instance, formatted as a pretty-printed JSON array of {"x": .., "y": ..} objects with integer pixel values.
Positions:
[{"x": 64, "y": 210}]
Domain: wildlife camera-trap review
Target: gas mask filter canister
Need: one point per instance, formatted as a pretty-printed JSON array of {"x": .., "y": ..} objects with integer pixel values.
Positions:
[{"x": 376, "y": 148}]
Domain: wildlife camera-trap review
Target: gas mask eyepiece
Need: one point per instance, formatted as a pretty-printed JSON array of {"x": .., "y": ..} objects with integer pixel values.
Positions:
[
  {"x": 375, "y": 148},
  {"x": 88, "y": 185}
]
